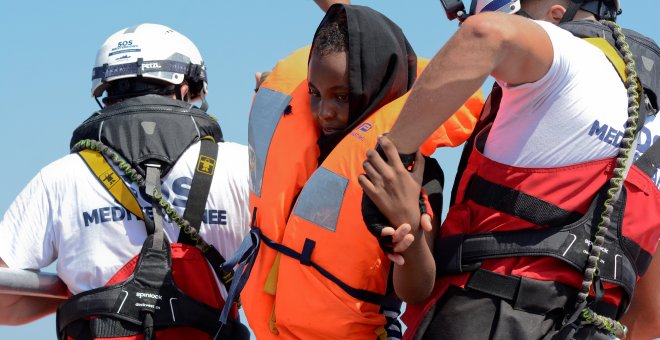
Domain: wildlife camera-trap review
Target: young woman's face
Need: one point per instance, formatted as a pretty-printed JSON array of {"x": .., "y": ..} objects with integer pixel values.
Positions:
[{"x": 328, "y": 90}]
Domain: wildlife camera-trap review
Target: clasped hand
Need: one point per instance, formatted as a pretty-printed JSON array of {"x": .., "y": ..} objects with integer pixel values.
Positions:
[{"x": 395, "y": 191}]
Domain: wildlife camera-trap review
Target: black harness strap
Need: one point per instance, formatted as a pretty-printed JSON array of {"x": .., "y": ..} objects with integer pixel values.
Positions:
[
  {"x": 200, "y": 187},
  {"x": 529, "y": 294},
  {"x": 621, "y": 261},
  {"x": 649, "y": 162},
  {"x": 151, "y": 290},
  {"x": 199, "y": 193},
  {"x": 518, "y": 204}
]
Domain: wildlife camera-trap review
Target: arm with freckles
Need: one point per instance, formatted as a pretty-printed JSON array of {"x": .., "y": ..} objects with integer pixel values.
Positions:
[{"x": 395, "y": 192}]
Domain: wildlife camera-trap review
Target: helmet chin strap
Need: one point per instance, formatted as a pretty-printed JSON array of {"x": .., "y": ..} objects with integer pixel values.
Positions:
[
  {"x": 524, "y": 14},
  {"x": 186, "y": 98},
  {"x": 205, "y": 105},
  {"x": 571, "y": 10},
  {"x": 98, "y": 102}
]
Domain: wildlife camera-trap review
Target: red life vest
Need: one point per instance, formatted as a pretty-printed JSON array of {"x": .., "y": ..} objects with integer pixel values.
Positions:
[
  {"x": 572, "y": 188},
  {"x": 483, "y": 229}
]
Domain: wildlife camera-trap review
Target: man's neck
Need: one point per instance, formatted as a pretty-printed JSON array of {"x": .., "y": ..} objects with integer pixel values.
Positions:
[{"x": 584, "y": 15}]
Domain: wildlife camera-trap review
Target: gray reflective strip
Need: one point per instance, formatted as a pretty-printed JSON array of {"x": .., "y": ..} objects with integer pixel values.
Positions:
[
  {"x": 321, "y": 199},
  {"x": 266, "y": 112}
]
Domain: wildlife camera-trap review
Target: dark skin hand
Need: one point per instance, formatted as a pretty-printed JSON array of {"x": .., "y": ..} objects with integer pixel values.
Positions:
[{"x": 395, "y": 192}]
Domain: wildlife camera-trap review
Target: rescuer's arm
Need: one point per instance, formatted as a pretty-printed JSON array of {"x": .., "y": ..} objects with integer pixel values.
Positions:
[
  {"x": 21, "y": 309},
  {"x": 643, "y": 316},
  {"x": 511, "y": 48},
  {"x": 395, "y": 192}
]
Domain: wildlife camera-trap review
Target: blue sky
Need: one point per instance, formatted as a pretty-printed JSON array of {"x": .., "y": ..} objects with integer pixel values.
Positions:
[{"x": 49, "y": 47}]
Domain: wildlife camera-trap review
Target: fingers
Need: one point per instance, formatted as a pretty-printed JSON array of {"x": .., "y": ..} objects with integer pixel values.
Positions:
[
  {"x": 378, "y": 164},
  {"x": 404, "y": 244},
  {"x": 387, "y": 231},
  {"x": 401, "y": 237},
  {"x": 390, "y": 151},
  {"x": 397, "y": 259},
  {"x": 366, "y": 185},
  {"x": 373, "y": 175},
  {"x": 425, "y": 223},
  {"x": 401, "y": 232},
  {"x": 418, "y": 169}
]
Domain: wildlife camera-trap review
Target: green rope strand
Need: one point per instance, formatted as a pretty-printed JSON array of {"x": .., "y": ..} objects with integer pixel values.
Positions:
[
  {"x": 137, "y": 178},
  {"x": 616, "y": 184}
]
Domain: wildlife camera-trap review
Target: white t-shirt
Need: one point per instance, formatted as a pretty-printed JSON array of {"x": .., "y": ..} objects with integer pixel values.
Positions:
[
  {"x": 65, "y": 213},
  {"x": 575, "y": 113}
]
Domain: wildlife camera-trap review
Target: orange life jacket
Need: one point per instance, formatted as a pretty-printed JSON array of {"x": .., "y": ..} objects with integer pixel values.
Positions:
[{"x": 332, "y": 264}]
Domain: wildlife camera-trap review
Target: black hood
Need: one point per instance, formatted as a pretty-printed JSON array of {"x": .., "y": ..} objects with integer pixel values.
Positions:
[{"x": 382, "y": 65}]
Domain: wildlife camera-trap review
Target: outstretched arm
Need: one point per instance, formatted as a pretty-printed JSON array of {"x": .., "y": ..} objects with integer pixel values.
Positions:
[
  {"x": 511, "y": 48},
  {"x": 21, "y": 309}
]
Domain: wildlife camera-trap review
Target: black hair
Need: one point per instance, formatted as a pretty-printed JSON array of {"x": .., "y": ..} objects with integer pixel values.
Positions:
[
  {"x": 332, "y": 35},
  {"x": 133, "y": 87}
]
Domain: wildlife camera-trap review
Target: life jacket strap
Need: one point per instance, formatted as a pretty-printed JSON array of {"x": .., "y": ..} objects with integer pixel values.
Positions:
[
  {"x": 151, "y": 289},
  {"x": 531, "y": 295},
  {"x": 649, "y": 162},
  {"x": 568, "y": 241},
  {"x": 518, "y": 204},
  {"x": 152, "y": 187},
  {"x": 111, "y": 180},
  {"x": 241, "y": 263},
  {"x": 611, "y": 54},
  {"x": 388, "y": 302},
  {"x": 200, "y": 187},
  {"x": 194, "y": 212}
]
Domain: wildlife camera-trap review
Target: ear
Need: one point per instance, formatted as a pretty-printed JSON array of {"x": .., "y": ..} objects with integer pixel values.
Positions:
[
  {"x": 555, "y": 13},
  {"x": 185, "y": 90}
]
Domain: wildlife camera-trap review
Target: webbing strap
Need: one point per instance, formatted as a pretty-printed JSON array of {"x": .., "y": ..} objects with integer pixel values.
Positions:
[
  {"x": 464, "y": 249},
  {"x": 517, "y": 203},
  {"x": 200, "y": 187},
  {"x": 243, "y": 260},
  {"x": 611, "y": 54},
  {"x": 528, "y": 294},
  {"x": 650, "y": 160},
  {"x": 387, "y": 302},
  {"x": 114, "y": 311},
  {"x": 571, "y": 10},
  {"x": 153, "y": 187},
  {"x": 199, "y": 193},
  {"x": 111, "y": 181},
  {"x": 149, "y": 66}
]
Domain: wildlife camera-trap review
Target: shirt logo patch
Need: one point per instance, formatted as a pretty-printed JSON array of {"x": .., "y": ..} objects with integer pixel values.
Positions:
[
  {"x": 109, "y": 178},
  {"x": 206, "y": 165}
]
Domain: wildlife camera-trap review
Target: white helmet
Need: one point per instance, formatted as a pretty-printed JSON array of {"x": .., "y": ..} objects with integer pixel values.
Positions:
[
  {"x": 506, "y": 6},
  {"x": 456, "y": 9},
  {"x": 150, "y": 51}
]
